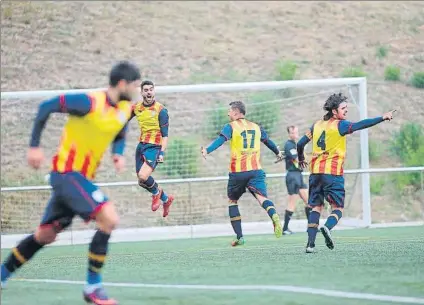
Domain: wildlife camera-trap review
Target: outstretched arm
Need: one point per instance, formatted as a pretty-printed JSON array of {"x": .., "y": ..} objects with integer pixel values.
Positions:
[
  {"x": 268, "y": 142},
  {"x": 346, "y": 127},
  {"x": 75, "y": 104},
  {"x": 225, "y": 135},
  {"x": 302, "y": 143}
]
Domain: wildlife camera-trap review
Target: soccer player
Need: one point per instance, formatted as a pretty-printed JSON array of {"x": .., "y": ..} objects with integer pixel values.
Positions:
[
  {"x": 294, "y": 180},
  {"x": 153, "y": 120},
  {"x": 96, "y": 120},
  {"x": 245, "y": 168},
  {"x": 328, "y": 155}
]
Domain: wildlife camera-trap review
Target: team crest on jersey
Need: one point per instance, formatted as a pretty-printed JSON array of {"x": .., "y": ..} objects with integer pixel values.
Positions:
[
  {"x": 153, "y": 113},
  {"x": 98, "y": 196}
]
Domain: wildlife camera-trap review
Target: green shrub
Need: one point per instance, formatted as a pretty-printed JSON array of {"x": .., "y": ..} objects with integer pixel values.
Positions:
[
  {"x": 215, "y": 120},
  {"x": 382, "y": 51},
  {"x": 263, "y": 110},
  {"x": 417, "y": 80},
  {"x": 392, "y": 73},
  {"x": 377, "y": 184},
  {"x": 286, "y": 70},
  {"x": 374, "y": 151},
  {"x": 181, "y": 158},
  {"x": 408, "y": 141},
  {"x": 408, "y": 145},
  {"x": 353, "y": 72}
]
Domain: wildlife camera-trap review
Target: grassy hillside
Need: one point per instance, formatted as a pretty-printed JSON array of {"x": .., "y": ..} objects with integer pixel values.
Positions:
[{"x": 61, "y": 45}]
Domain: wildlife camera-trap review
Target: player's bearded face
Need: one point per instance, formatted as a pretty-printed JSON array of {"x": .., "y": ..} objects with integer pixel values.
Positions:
[
  {"x": 342, "y": 111},
  {"x": 148, "y": 93}
]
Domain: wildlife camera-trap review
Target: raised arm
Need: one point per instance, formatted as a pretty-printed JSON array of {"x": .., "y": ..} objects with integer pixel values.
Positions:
[
  {"x": 302, "y": 142},
  {"x": 225, "y": 135},
  {"x": 268, "y": 142},
  {"x": 346, "y": 127},
  {"x": 75, "y": 104}
]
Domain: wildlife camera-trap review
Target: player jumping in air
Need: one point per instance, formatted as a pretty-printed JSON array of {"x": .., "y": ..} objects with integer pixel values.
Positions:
[
  {"x": 245, "y": 168},
  {"x": 328, "y": 155},
  {"x": 294, "y": 180},
  {"x": 153, "y": 120},
  {"x": 95, "y": 121}
]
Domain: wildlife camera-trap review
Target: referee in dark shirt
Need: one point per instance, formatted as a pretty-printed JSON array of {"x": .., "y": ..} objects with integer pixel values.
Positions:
[{"x": 294, "y": 179}]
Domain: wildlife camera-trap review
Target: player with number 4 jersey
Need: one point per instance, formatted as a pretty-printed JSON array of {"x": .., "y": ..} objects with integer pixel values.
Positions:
[
  {"x": 245, "y": 170},
  {"x": 328, "y": 156}
]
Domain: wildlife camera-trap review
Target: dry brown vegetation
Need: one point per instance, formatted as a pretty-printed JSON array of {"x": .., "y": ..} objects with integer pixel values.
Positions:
[{"x": 62, "y": 45}]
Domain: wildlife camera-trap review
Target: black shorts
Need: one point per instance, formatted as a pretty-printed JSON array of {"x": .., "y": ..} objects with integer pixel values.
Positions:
[
  {"x": 253, "y": 180},
  {"x": 328, "y": 187},
  {"x": 294, "y": 182},
  {"x": 72, "y": 195}
]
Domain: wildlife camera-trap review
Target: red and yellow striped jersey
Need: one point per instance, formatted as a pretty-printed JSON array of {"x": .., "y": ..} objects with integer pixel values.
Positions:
[
  {"x": 86, "y": 138},
  {"x": 329, "y": 148},
  {"x": 148, "y": 120},
  {"x": 245, "y": 145}
]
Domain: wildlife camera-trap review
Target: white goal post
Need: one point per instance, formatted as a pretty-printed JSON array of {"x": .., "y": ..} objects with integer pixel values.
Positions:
[{"x": 359, "y": 83}]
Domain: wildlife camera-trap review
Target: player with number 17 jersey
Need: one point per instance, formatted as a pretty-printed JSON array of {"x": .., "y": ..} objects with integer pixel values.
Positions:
[{"x": 245, "y": 170}]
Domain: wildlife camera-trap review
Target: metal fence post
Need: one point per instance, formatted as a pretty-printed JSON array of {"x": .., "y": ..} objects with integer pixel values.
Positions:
[{"x": 190, "y": 213}]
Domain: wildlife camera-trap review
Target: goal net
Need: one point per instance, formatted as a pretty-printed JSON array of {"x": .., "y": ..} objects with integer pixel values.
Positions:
[{"x": 198, "y": 185}]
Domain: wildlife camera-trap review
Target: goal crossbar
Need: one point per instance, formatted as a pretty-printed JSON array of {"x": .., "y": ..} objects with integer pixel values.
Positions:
[{"x": 199, "y": 88}]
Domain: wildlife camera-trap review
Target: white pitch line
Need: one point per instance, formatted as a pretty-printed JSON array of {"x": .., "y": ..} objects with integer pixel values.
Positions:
[{"x": 296, "y": 289}]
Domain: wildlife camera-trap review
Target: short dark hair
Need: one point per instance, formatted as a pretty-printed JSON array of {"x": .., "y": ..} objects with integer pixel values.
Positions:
[
  {"x": 123, "y": 70},
  {"x": 290, "y": 127},
  {"x": 239, "y": 105},
  {"x": 332, "y": 103},
  {"x": 146, "y": 82}
]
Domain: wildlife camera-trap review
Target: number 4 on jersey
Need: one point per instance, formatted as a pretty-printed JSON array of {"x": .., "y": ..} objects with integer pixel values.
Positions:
[{"x": 321, "y": 141}]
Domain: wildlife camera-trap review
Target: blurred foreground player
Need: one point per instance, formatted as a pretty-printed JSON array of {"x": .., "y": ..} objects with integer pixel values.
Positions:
[
  {"x": 245, "y": 168},
  {"x": 328, "y": 155},
  {"x": 153, "y": 120},
  {"x": 294, "y": 179},
  {"x": 96, "y": 120}
]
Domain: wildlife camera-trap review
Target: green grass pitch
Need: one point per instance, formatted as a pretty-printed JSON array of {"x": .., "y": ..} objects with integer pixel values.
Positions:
[{"x": 383, "y": 262}]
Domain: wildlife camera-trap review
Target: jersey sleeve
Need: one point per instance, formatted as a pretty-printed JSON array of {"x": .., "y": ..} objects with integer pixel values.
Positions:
[
  {"x": 346, "y": 127},
  {"x": 118, "y": 145},
  {"x": 74, "y": 104},
  {"x": 164, "y": 122},
  {"x": 225, "y": 135},
  {"x": 303, "y": 141},
  {"x": 227, "y": 132},
  {"x": 268, "y": 142}
]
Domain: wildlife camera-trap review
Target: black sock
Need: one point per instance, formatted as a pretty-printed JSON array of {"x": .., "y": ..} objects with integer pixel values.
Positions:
[
  {"x": 235, "y": 219},
  {"x": 287, "y": 217},
  {"x": 313, "y": 223},
  {"x": 22, "y": 253},
  {"x": 96, "y": 256},
  {"x": 307, "y": 212},
  {"x": 269, "y": 207}
]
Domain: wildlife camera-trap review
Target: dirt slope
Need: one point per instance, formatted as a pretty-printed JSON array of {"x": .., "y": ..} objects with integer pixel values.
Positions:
[{"x": 61, "y": 45}]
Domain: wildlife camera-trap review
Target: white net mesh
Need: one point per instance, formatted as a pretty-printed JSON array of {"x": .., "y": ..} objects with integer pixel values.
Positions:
[{"x": 195, "y": 120}]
